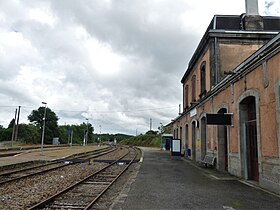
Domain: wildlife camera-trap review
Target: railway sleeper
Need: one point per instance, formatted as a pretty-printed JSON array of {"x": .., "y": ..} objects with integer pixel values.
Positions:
[
  {"x": 66, "y": 203},
  {"x": 88, "y": 193},
  {"x": 98, "y": 182},
  {"x": 68, "y": 206},
  {"x": 105, "y": 176},
  {"x": 82, "y": 192}
]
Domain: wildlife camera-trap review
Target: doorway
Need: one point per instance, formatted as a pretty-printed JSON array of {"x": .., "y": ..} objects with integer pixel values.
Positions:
[
  {"x": 249, "y": 143},
  {"x": 193, "y": 140},
  {"x": 222, "y": 145},
  {"x": 187, "y": 139},
  {"x": 203, "y": 137}
]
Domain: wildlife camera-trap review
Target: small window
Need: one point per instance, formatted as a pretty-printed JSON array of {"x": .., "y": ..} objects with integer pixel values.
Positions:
[
  {"x": 193, "y": 88},
  {"x": 202, "y": 79}
]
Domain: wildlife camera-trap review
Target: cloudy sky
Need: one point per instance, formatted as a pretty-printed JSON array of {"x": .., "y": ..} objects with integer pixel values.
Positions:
[{"x": 116, "y": 62}]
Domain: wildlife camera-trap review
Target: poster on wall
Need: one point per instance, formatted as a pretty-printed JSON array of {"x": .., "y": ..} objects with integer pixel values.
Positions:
[
  {"x": 176, "y": 147},
  {"x": 197, "y": 144}
]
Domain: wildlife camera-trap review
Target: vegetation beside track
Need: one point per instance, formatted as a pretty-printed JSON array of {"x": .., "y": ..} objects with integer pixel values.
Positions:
[{"x": 149, "y": 139}]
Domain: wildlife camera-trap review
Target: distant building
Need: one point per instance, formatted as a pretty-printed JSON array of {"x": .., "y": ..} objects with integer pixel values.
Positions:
[{"x": 235, "y": 69}]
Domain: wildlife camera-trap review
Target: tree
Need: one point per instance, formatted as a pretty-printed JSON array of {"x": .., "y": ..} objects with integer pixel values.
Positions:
[
  {"x": 151, "y": 132},
  {"x": 79, "y": 133},
  {"x": 6, "y": 134},
  {"x": 12, "y": 123},
  {"x": 29, "y": 134},
  {"x": 51, "y": 128}
]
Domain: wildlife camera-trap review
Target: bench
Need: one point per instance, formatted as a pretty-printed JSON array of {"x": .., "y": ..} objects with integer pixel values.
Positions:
[{"x": 209, "y": 159}]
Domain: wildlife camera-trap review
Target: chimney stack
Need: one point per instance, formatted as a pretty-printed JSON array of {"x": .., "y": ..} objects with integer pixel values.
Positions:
[
  {"x": 252, "y": 21},
  {"x": 252, "y": 7}
]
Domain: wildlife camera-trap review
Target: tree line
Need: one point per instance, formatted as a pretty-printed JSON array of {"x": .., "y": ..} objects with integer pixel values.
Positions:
[{"x": 31, "y": 133}]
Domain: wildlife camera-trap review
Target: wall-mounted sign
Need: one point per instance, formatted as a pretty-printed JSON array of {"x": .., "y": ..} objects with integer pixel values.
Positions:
[
  {"x": 218, "y": 119},
  {"x": 193, "y": 112}
]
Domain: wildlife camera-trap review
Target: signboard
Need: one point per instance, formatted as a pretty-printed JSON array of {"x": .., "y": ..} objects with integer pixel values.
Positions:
[
  {"x": 193, "y": 112},
  {"x": 218, "y": 119},
  {"x": 176, "y": 147}
]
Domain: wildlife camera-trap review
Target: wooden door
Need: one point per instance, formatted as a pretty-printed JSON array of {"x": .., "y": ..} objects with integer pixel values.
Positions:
[
  {"x": 253, "y": 148},
  {"x": 252, "y": 141}
]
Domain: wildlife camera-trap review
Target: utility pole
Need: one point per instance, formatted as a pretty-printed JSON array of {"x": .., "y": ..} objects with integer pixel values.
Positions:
[
  {"x": 151, "y": 123},
  {"x": 14, "y": 127},
  {"x": 161, "y": 131},
  {"x": 100, "y": 135},
  {"x": 44, "y": 125},
  {"x": 87, "y": 132},
  {"x": 84, "y": 141},
  {"x": 16, "y": 133},
  {"x": 71, "y": 138}
]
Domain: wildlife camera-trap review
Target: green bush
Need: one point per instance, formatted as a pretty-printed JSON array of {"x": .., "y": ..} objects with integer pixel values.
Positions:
[{"x": 150, "y": 139}]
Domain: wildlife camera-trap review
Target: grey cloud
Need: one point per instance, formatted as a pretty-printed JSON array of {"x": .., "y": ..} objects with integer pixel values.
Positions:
[{"x": 148, "y": 34}]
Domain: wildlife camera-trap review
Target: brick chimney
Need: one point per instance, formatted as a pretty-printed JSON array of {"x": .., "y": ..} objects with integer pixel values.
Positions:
[{"x": 251, "y": 20}]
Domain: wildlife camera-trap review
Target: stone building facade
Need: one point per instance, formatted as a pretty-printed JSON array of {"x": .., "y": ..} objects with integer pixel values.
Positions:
[{"x": 235, "y": 70}]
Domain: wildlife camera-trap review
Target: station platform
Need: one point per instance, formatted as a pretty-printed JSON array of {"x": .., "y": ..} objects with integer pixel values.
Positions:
[{"x": 165, "y": 183}]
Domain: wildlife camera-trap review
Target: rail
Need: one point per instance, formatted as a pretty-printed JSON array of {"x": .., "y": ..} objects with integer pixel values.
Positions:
[
  {"x": 83, "y": 194},
  {"x": 39, "y": 169}
]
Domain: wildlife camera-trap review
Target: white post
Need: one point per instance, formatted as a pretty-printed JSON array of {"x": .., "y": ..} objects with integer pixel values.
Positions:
[
  {"x": 87, "y": 132},
  {"x": 71, "y": 138},
  {"x": 44, "y": 124}
]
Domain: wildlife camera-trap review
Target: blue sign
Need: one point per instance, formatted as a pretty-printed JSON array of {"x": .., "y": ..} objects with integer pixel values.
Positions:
[{"x": 68, "y": 132}]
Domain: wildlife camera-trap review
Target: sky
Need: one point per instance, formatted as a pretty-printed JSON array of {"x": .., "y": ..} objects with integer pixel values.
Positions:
[{"x": 117, "y": 63}]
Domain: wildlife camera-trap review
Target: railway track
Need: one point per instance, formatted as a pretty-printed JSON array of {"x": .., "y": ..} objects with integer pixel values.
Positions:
[
  {"x": 83, "y": 194},
  {"x": 21, "y": 173}
]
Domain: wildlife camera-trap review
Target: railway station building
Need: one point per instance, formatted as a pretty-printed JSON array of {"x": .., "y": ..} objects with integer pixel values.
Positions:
[{"x": 231, "y": 99}]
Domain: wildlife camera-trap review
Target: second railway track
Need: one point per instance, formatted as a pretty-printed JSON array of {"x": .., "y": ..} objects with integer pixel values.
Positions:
[
  {"x": 83, "y": 194},
  {"x": 13, "y": 175}
]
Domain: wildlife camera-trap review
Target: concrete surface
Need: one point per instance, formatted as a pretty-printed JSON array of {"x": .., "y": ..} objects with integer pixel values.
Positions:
[{"x": 162, "y": 183}]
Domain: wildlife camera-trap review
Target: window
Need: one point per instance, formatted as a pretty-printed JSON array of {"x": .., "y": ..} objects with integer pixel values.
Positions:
[
  {"x": 186, "y": 96},
  {"x": 278, "y": 102},
  {"x": 202, "y": 80},
  {"x": 180, "y": 133},
  {"x": 193, "y": 88},
  {"x": 279, "y": 95}
]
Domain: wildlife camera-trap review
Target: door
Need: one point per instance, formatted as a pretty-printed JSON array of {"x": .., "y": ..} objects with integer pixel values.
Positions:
[
  {"x": 193, "y": 141},
  {"x": 253, "y": 150},
  {"x": 249, "y": 139},
  {"x": 225, "y": 149}
]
